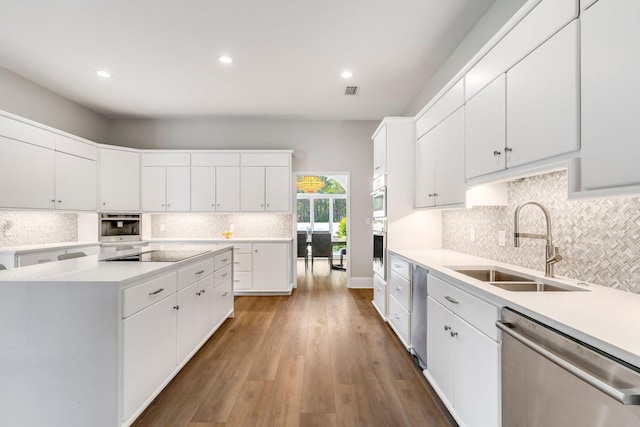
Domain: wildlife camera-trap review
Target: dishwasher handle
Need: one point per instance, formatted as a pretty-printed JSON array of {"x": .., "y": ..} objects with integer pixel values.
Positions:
[{"x": 624, "y": 396}]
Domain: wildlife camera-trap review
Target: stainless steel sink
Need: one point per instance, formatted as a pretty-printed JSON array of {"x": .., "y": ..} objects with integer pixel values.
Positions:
[
  {"x": 494, "y": 275},
  {"x": 513, "y": 281}
]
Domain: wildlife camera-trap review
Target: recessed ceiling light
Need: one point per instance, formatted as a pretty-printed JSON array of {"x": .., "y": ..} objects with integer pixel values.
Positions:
[
  {"x": 103, "y": 74},
  {"x": 225, "y": 59},
  {"x": 346, "y": 74}
]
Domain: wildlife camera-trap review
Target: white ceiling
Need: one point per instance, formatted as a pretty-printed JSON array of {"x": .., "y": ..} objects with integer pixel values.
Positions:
[{"x": 288, "y": 54}]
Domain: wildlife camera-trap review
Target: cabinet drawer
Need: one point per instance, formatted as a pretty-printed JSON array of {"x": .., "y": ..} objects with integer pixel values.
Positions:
[
  {"x": 193, "y": 273},
  {"x": 222, "y": 260},
  {"x": 241, "y": 262},
  {"x": 400, "y": 289},
  {"x": 242, "y": 280},
  {"x": 138, "y": 297},
  {"x": 478, "y": 313},
  {"x": 399, "y": 319},
  {"x": 223, "y": 274},
  {"x": 380, "y": 296},
  {"x": 400, "y": 266},
  {"x": 242, "y": 248}
]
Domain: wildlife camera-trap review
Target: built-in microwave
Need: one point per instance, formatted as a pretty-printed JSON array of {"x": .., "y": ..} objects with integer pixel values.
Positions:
[{"x": 379, "y": 197}]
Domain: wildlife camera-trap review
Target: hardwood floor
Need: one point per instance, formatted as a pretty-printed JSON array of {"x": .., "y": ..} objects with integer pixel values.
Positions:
[{"x": 320, "y": 357}]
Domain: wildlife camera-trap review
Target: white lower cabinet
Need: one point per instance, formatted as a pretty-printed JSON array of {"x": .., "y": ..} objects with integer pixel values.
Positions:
[
  {"x": 380, "y": 296},
  {"x": 464, "y": 363},
  {"x": 165, "y": 320},
  {"x": 271, "y": 267},
  {"x": 149, "y": 356}
]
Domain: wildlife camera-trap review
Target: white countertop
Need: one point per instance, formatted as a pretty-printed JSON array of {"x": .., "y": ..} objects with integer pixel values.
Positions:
[
  {"x": 90, "y": 269},
  {"x": 603, "y": 317},
  {"x": 221, "y": 239},
  {"x": 17, "y": 250}
]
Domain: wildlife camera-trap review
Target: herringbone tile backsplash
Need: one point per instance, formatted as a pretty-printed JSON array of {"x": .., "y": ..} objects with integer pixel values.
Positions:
[
  {"x": 211, "y": 225},
  {"x": 598, "y": 239}
]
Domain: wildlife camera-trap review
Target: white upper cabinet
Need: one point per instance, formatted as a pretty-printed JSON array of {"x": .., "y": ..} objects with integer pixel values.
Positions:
[
  {"x": 178, "y": 189},
  {"x": 278, "y": 189},
  {"x": 166, "y": 182},
  {"x": 440, "y": 164},
  {"x": 265, "y": 183},
  {"x": 46, "y": 170},
  {"x": 154, "y": 189},
  {"x": 119, "y": 181},
  {"x": 610, "y": 88},
  {"x": 215, "y": 182},
  {"x": 426, "y": 171},
  {"x": 203, "y": 189},
  {"x": 543, "y": 100},
  {"x": 27, "y": 171},
  {"x": 441, "y": 109},
  {"x": 380, "y": 152},
  {"x": 252, "y": 191},
  {"x": 228, "y": 189},
  {"x": 536, "y": 27},
  {"x": 75, "y": 183},
  {"x": 485, "y": 130}
]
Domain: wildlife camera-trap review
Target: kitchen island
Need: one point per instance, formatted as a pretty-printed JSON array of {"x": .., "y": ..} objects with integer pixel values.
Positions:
[{"x": 92, "y": 342}]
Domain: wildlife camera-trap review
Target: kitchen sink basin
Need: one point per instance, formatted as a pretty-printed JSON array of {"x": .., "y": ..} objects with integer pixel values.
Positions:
[
  {"x": 514, "y": 282},
  {"x": 494, "y": 275}
]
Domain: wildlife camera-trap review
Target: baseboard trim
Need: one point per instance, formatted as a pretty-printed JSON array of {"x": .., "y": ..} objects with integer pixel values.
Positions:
[{"x": 361, "y": 283}]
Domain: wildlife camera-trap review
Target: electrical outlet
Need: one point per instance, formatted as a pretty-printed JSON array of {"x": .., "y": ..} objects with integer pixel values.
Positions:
[
  {"x": 8, "y": 229},
  {"x": 367, "y": 221},
  {"x": 502, "y": 238},
  {"x": 472, "y": 235}
]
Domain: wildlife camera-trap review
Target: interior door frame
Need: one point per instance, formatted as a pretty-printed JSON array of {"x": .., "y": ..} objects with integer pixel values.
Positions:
[{"x": 294, "y": 198}]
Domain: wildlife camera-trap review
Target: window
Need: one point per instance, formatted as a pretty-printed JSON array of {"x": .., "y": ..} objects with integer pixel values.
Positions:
[{"x": 323, "y": 209}]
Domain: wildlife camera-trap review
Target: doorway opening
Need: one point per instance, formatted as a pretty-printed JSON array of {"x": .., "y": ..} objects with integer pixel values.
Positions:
[{"x": 322, "y": 223}]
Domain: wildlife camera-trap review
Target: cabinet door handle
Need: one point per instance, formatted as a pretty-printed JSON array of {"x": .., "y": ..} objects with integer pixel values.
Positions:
[
  {"x": 198, "y": 293},
  {"x": 104, "y": 203},
  {"x": 398, "y": 287},
  {"x": 203, "y": 291},
  {"x": 40, "y": 261},
  {"x": 176, "y": 307},
  {"x": 156, "y": 292},
  {"x": 447, "y": 328},
  {"x": 236, "y": 280},
  {"x": 225, "y": 274},
  {"x": 53, "y": 200},
  {"x": 199, "y": 272},
  {"x": 225, "y": 260},
  {"x": 497, "y": 153},
  {"x": 396, "y": 315},
  {"x": 397, "y": 265},
  {"x": 453, "y": 334},
  {"x": 236, "y": 262},
  {"x": 508, "y": 149},
  {"x": 59, "y": 201},
  {"x": 225, "y": 294},
  {"x": 451, "y": 300},
  {"x": 431, "y": 194},
  {"x": 377, "y": 167}
]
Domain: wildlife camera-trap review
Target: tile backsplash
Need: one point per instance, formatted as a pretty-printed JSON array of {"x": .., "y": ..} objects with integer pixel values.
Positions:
[
  {"x": 598, "y": 239},
  {"x": 211, "y": 225},
  {"x": 34, "y": 228}
]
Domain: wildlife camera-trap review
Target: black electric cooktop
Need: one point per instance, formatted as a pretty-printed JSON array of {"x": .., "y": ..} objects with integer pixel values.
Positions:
[{"x": 158, "y": 256}]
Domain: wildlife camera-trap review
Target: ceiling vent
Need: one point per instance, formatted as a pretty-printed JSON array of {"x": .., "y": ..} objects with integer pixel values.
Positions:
[{"x": 351, "y": 90}]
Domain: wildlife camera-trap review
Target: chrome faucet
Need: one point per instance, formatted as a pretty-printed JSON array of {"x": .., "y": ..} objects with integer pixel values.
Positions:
[{"x": 551, "y": 252}]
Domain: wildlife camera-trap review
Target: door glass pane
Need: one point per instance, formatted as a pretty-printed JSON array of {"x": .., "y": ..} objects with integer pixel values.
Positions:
[
  {"x": 339, "y": 217},
  {"x": 304, "y": 211},
  {"x": 321, "y": 214}
]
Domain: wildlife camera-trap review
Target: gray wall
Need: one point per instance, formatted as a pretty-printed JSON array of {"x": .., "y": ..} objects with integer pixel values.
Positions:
[
  {"x": 497, "y": 15},
  {"x": 29, "y": 100},
  {"x": 319, "y": 146}
]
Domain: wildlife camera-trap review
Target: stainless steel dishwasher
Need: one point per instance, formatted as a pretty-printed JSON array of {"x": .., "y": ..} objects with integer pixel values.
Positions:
[
  {"x": 419, "y": 315},
  {"x": 550, "y": 379}
]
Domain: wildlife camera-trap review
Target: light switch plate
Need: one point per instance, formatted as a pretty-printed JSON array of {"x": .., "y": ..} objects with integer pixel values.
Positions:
[{"x": 502, "y": 238}]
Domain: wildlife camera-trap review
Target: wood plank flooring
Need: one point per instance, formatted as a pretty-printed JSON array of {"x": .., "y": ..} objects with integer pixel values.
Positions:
[{"x": 320, "y": 357}]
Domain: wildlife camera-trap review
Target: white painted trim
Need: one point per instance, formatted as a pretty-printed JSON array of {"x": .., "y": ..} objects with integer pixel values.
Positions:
[
  {"x": 295, "y": 213},
  {"x": 361, "y": 283}
]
